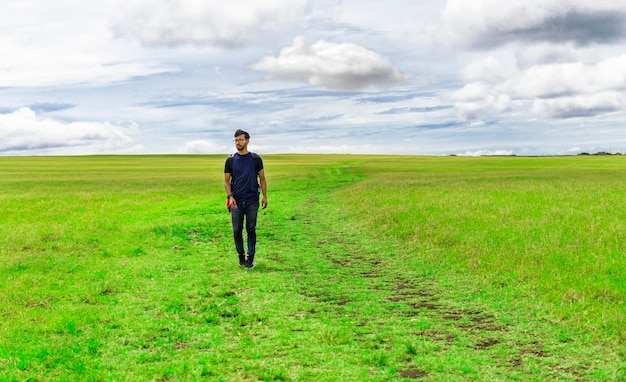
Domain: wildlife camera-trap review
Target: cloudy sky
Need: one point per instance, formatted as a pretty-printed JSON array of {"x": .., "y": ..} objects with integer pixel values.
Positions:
[{"x": 435, "y": 77}]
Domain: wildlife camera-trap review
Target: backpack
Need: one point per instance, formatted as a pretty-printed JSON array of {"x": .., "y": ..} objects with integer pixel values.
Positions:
[{"x": 255, "y": 160}]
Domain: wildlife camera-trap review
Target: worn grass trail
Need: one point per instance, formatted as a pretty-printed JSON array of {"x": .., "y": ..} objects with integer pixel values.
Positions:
[
  {"x": 390, "y": 313},
  {"x": 123, "y": 269}
]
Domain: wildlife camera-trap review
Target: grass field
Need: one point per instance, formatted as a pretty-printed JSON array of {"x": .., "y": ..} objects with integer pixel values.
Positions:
[{"x": 369, "y": 268}]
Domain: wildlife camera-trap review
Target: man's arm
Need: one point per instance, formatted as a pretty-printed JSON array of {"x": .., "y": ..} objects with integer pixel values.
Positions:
[
  {"x": 228, "y": 189},
  {"x": 263, "y": 184}
]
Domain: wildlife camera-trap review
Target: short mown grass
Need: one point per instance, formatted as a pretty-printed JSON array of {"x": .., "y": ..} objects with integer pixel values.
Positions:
[{"x": 369, "y": 268}]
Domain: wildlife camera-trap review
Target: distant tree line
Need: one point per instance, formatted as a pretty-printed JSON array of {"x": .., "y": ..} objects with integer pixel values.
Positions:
[{"x": 601, "y": 153}]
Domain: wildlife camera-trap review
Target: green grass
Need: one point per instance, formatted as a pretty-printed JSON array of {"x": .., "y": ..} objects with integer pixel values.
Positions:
[
  {"x": 369, "y": 268},
  {"x": 553, "y": 227}
]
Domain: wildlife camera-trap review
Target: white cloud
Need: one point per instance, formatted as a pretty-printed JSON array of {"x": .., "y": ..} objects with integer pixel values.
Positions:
[
  {"x": 399, "y": 20},
  {"x": 479, "y": 153},
  {"x": 202, "y": 146},
  {"x": 491, "y": 23},
  {"x": 490, "y": 69},
  {"x": 582, "y": 105},
  {"x": 222, "y": 23},
  {"x": 23, "y": 133},
  {"x": 336, "y": 66},
  {"x": 73, "y": 47},
  {"x": 552, "y": 58},
  {"x": 65, "y": 70},
  {"x": 572, "y": 78},
  {"x": 477, "y": 100},
  {"x": 543, "y": 53},
  {"x": 559, "y": 90}
]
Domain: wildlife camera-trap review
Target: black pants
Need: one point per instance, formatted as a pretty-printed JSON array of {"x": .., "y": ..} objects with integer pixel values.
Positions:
[{"x": 249, "y": 210}]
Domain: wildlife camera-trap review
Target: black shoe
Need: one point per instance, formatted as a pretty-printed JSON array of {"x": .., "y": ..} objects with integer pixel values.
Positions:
[
  {"x": 250, "y": 262},
  {"x": 242, "y": 260}
]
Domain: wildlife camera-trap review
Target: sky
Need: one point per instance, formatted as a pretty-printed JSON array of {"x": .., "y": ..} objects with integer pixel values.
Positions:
[{"x": 428, "y": 77}]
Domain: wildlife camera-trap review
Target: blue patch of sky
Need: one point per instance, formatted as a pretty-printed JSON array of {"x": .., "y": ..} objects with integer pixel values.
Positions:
[
  {"x": 360, "y": 97},
  {"x": 47, "y": 107},
  {"x": 443, "y": 125},
  {"x": 326, "y": 24},
  {"x": 328, "y": 118},
  {"x": 395, "y": 97},
  {"x": 303, "y": 93},
  {"x": 36, "y": 146},
  {"x": 428, "y": 109},
  {"x": 233, "y": 104}
]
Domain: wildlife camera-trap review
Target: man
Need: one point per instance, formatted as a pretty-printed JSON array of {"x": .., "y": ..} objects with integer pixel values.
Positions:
[{"x": 243, "y": 174}]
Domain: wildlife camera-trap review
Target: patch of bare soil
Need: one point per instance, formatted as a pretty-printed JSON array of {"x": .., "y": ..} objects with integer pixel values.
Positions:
[{"x": 412, "y": 373}]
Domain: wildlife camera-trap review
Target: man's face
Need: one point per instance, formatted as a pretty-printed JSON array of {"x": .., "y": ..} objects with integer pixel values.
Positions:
[{"x": 241, "y": 142}]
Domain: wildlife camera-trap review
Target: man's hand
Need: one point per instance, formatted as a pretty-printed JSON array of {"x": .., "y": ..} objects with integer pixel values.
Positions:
[
  {"x": 264, "y": 202},
  {"x": 233, "y": 203}
]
